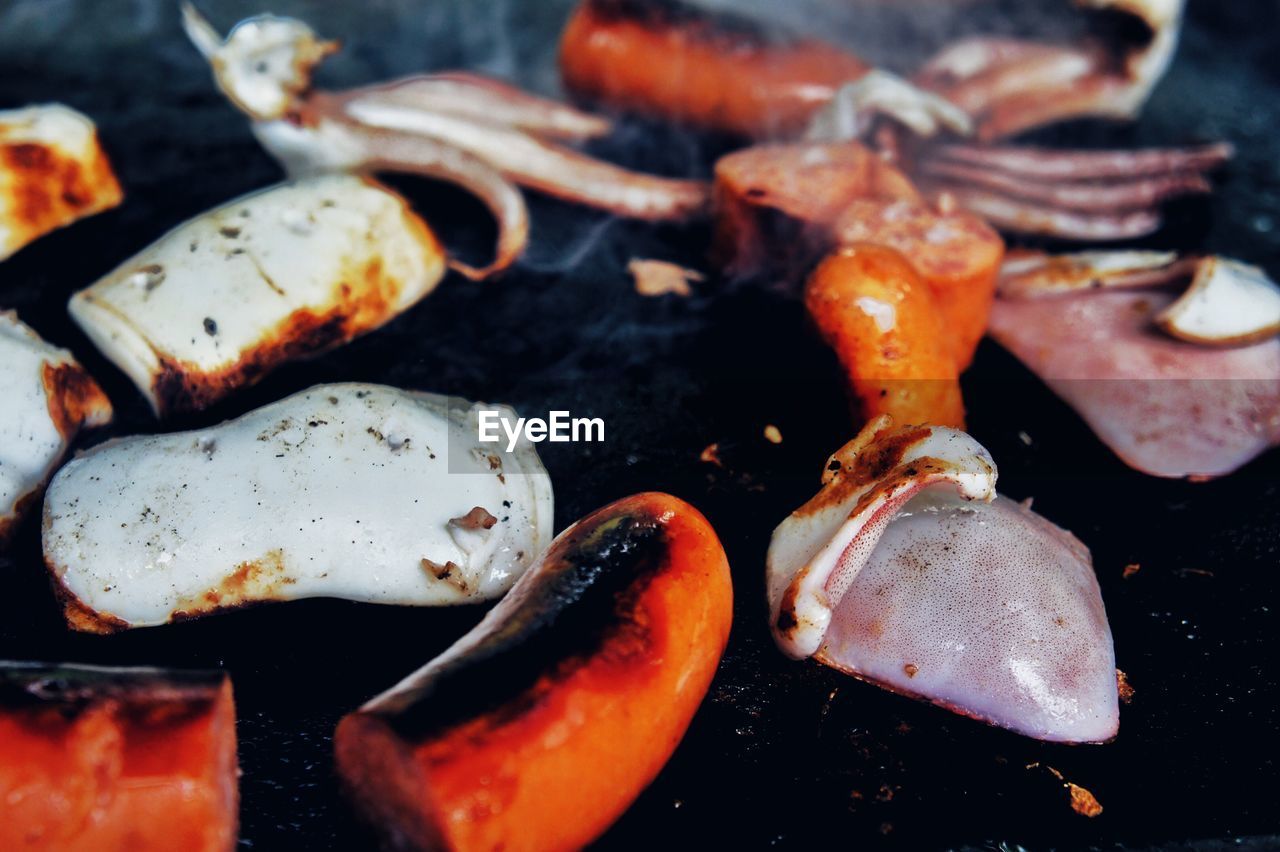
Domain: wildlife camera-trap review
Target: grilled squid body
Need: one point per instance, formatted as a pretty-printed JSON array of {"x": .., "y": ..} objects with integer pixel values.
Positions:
[
  {"x": 538, "y": 728},
  {"x": 351, "y": 491},
  {"x": 96, "y": 758},
  {"x": 909, "y": 571},
  {"x": 52, "y": 172},
  {"x": 47, "y": 398},
  {"x": 280, "y": 274}
]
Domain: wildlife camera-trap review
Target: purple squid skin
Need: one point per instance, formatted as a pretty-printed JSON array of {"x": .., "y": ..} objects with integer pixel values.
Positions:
[{"x": 986, "y": 609}]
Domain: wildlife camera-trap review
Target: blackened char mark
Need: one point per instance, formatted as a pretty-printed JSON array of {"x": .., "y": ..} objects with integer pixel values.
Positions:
[
  {"x": 718, "y": 28},
  {"x": 587, "y": 591},
  {"x": 71, "y": 689}
]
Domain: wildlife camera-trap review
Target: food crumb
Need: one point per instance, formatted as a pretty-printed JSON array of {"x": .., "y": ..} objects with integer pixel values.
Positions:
[
  {"x": 1131, "y": 569},
  {"x": 1083, "y": 802},
  {"x": 1123, "y": 686},
  {"x": 658, "y": 277},
  {"x": 711, "y": 455},
  {"x": 477, "y": 518},
  {"x": 772, "y": 434}
]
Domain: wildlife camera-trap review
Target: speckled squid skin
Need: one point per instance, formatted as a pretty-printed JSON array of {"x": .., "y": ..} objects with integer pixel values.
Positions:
[
  {"x": 95, "y": 758},
  {"x": 52, "y": 172},
  {"x": 354, "y": 491},
  {"x": 908, "y": 570},
  {"x": 47, "y": 398},
  {"x": 538, "y": 728},
  {"x": 281, "y": 274}
]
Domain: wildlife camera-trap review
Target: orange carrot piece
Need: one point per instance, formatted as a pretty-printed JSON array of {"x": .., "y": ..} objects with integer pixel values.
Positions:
[
  {"x": 709, "y": 71},
  {"x": 956, "y": 254},
  {"x": 539, "y": 728},
  {"x": 95, "y": 759},
  {"x": 886, "y": 328}
]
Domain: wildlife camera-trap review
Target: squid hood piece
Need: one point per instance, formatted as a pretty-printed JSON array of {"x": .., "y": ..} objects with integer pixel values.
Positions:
[
  {"x": 52, "y": 172},
  {"x": 909, "y": 571},
  {"x": 280, "y": 274},
  {"x": 95, "y": 758},
  {"x": 352, "y": 491},
  {"x": 47, "y": 398},
  {"x": 538, "y": 728},
  {"x": 1176, "y": 385}
]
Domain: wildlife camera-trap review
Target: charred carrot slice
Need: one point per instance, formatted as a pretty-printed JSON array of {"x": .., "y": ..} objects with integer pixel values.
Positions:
[
  {"x": 664, "y": 58},
  {"x": 538, "y": 728},
  {"x": 889, "y": 334},
  {"x": 956, "y": 254},
  {"x": 801, "y": 188},
  {"x": 98, "y": 759}
]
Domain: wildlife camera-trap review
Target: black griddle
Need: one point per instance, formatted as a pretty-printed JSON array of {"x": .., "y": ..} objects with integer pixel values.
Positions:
[{"x": 782, "y": 753}]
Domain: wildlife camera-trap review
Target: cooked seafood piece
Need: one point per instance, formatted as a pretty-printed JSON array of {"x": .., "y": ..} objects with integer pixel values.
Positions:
[
  {"x": 907, "y": 570},
  {"x": 668, "y": 58},
  {"x": 352, "y": 491},
  {"x": 48, "y": 399},
  {"x": 1010, "y": 85},
  {"x": 52, "y": 172},
  {"x": 488, "y": 137},
  {"x": 1167, "y": 407},
  {"x": 116, "y": 758},
  {"x": 280, "y": 274},
  {"x": 538, "y": 728}
]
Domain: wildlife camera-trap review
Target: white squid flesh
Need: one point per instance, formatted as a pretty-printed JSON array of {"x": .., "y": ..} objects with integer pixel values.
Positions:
[
  {"x": 47, "y": 398},
  {"x": 280, "y": 274},
  {"x": 353, "y": 491}
]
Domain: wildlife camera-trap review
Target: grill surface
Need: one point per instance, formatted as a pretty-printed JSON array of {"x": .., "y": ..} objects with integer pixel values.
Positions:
[{"x": 782, "y": 753}]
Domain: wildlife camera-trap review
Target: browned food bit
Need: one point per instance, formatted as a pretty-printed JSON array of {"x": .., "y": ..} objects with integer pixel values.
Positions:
[
  {"x": 1123, "y": 686},
  {"x": 478, "y": 518},
  {"x": 711, "y": 455},
  {"x": 659, "y": 277},
  {"x": 1082, "y": 801}
]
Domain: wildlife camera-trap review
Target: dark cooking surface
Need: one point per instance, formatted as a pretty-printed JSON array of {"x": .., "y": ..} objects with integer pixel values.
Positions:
[{"x": 781, "y": 752}]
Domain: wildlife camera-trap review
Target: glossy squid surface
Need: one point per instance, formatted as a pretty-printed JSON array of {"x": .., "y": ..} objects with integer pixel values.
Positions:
[{"x": 908, "y": 571}]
